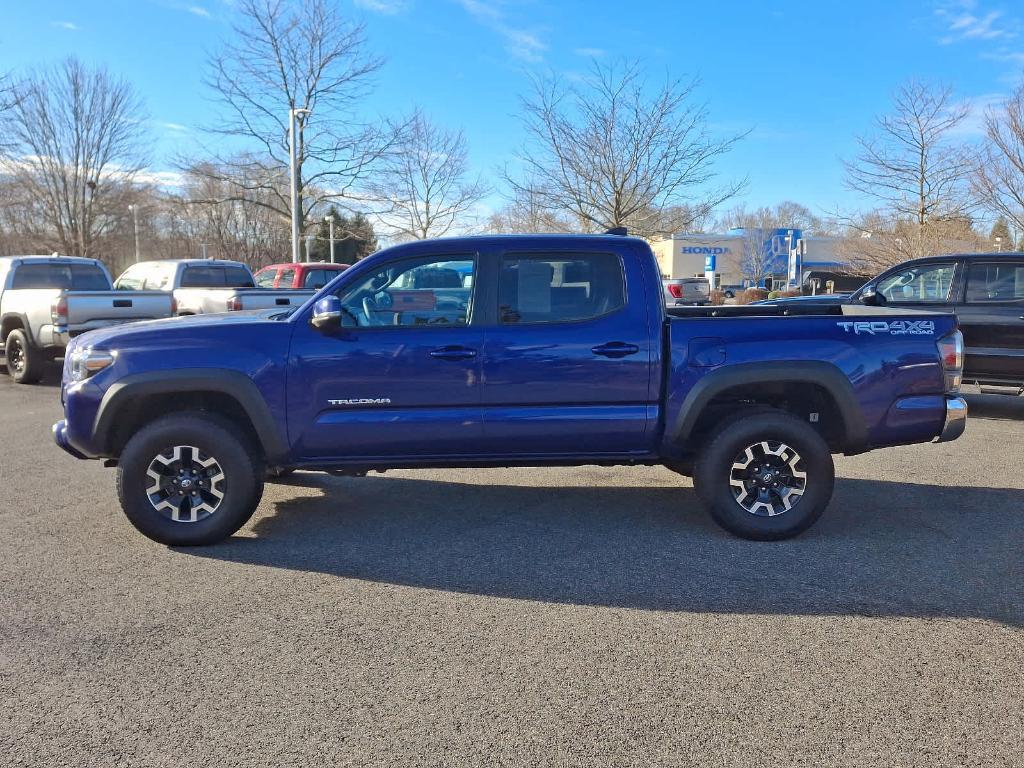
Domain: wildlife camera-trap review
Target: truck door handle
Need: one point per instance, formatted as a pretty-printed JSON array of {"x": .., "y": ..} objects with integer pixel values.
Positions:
[
  {"x": 615, "y": 349},
  {"x": 453, "y": 353}
]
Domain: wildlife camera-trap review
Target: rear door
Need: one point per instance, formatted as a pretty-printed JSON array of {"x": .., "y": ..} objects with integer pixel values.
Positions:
[
  {"x": 405, "y": 381},
  {"x": 991, "y": 318},
  {"x": 567, "y": 356}
]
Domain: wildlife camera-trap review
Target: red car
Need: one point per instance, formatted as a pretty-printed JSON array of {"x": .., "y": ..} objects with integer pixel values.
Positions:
[{"x": 309, "y": 274}]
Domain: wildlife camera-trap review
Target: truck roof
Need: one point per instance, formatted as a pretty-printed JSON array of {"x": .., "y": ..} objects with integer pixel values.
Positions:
[
  {"x": 998, "y": 256},
  {"x": 49, "y": 259},
  {"x": 196, "y": 262},
  {"x": 555, "y": 239}
]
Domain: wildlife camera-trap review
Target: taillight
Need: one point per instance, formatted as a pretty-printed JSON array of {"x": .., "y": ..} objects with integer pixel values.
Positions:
[
  {"x": 234, "y": 304},
  {"x": 59, "y": 311},
  {"x": 174, "y": 306},
  {"x": 951, "y": 352},
  {"x": 676, "y": 290}
]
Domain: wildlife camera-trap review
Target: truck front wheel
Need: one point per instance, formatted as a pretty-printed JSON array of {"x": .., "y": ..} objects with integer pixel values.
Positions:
[
  {"x": 765, "y": 476},
  {"x": 24, "y": 361},
  {"x": 187, "y": 480}
]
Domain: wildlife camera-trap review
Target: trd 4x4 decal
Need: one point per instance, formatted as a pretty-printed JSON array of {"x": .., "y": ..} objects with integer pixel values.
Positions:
[{"x": 893, "y": 328}]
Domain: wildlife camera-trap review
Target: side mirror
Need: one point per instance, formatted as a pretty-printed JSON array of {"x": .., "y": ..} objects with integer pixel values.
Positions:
[
  {"x": 871, "y": 297},
  {"x": 327, "y": 313}
]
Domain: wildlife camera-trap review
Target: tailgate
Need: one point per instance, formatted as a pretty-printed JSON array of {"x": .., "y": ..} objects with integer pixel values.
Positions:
[
  {"x": 259, "y": 298},
  {"x": 95, "y": 309}
]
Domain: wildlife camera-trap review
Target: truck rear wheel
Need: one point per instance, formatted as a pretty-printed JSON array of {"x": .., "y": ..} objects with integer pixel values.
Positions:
[
  {"x": 187, "y": 480},
  {"x": 24, "y": 361},
  {"x": 766, "y": 476}
]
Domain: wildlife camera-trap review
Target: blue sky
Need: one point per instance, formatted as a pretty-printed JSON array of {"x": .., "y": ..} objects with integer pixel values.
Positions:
[{"x": 806, "y": 76}]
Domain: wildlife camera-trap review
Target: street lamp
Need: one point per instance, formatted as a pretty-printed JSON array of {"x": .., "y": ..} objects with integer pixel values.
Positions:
[
  {"x": 135, "y": 219},
  {"x": 999, "y": 244},
  {"x": 294, "y": 174},
  {"x": 330, "y": 223}
]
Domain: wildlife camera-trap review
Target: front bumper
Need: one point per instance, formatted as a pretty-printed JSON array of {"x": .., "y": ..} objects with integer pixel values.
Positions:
[
  {"x": 60, "y": 437},
  {"x": 956, "y": 420}
]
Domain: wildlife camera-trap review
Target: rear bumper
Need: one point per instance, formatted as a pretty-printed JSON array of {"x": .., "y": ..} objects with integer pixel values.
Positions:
[{"x": 956, "y": 420}]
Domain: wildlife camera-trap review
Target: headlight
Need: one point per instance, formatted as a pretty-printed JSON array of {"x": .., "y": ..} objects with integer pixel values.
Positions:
[{"x": 86, "y": 362}]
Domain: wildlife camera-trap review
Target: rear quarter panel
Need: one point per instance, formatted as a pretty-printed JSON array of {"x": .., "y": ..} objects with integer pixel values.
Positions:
[{"x": 881, "y": 366}]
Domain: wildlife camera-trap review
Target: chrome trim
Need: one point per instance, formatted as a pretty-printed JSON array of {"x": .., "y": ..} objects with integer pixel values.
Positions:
[{"x": 956, "y": 420}]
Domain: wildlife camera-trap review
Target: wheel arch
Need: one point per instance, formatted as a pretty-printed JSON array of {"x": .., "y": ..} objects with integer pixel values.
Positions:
[
  {"x": 140, "y": 398},
  {"x": 14, "y": 320},
  {"x": 772, "y": 384}
]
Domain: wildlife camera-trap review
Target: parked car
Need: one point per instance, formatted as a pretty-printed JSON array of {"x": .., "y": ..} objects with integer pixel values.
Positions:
[
  {"x": 680, "y": 291},
  {"x": 732, "y": 291},
  {"x": 45, "y": 301},
  {"x": 984, "y": 290},
  {"x": 205, "y": 286},
  {"x": 551, "y": 350},
  {"x": 309, "y": 274}
]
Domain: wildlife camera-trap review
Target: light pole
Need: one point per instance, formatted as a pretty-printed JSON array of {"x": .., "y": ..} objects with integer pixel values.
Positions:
[
  {"x": 135, "y": 220},
  {"x": 999, "y": 244},
  {"x": 330, "y": 224},
  {"x": 294, "y": 174}
]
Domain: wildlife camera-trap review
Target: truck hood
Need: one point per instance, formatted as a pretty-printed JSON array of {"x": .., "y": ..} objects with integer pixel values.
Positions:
[{"x": 111, "y": 336}]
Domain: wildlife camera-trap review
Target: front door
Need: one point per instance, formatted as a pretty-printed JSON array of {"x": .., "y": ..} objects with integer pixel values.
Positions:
[
  {"x": 401, "y": 377},
  {"x": 568, "y": 356},
  {"x": 992, "y": 320},
  {"x": 926, "y": 287}
]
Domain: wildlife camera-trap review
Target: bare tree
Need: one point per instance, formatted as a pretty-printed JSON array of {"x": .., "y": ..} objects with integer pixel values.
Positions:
[
  {"x": 611, "y": 151},
  {"x": 877, "y": 240},
  {"x": 526, "y": 213},
  {"x": 295, "y": 54},
  {"x": 75, "y": 148},
  {"x": 998, "y": 179},
  {"x": 425, "y": 188},
  {"x": 913, "y": 166},
  {"x": 784, "y": 215}
]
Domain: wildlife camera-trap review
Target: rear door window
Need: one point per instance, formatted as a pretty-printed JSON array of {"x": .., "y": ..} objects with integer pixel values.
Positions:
[
  {"x": 1001, "y": 283},
  {"x": 69, "y": 277},
  {"x": 555, "y": 288}
]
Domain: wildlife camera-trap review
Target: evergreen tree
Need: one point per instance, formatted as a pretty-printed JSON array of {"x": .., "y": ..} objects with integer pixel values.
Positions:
[
  {"x": 1001, "y": 230},
  {"x": 354, "y": 238}
]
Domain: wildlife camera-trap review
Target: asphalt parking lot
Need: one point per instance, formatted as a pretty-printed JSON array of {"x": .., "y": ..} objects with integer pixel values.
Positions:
[{"x": 509, "y": 617}]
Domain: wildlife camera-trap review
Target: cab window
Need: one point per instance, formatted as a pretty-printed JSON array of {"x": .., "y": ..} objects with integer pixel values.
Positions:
[
  {"x": 1001, "y": 283},
  {"x": 929, "y": 283},
  {"x": 425, "y": 292},
  {"x": 266, "y": 277},
  {"x": 559, "y": 288}
]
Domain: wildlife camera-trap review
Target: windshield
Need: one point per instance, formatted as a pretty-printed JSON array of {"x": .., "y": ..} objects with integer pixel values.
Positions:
[{"x": 71, "y": 277}]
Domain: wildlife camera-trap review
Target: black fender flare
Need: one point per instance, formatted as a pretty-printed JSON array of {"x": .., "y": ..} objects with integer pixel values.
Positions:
[
  {"x": 229, "y": 382},
  {"x": 24, "y": 326},
  {"x": 826, "y": 375}
]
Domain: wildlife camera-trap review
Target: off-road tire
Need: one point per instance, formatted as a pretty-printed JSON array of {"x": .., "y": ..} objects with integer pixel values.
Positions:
[
  {"x": 715, "y": 475},
  {"x": 241, "y": 486}
]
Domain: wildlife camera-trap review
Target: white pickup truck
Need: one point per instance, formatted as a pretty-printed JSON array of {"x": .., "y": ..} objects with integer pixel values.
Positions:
[
  {"x": 47, "y": 300},
  {"x": 204, "y": 286}
]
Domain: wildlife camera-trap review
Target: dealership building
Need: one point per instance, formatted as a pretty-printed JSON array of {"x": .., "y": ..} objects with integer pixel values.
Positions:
[{"x": 721, "y": 257}]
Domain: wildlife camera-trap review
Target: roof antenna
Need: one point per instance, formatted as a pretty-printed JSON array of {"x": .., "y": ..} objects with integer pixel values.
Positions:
[{"x": 616, "y": 231}]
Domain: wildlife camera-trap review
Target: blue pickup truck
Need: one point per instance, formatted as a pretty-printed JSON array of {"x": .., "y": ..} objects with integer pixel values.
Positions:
[{"x": 505, "y": 351}]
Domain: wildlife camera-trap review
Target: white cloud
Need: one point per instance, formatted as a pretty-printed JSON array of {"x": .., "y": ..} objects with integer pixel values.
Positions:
[
  {"x": 523, "y": 43},
  {"x": 387, "y": 7},
  {"x": 963, "y": 20},
  {"x": 973, "y": 125},
  {"x": 198, "y": 10},
  {"x": 591, "y": 53},
  {"x": 175, "y": 126},
  {"x": 69, "y": 25}
]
